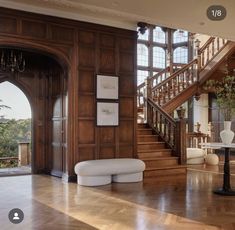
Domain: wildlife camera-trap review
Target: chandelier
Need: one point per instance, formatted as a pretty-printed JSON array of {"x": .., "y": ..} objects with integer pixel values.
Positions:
[{"x": 12, "y": 61}]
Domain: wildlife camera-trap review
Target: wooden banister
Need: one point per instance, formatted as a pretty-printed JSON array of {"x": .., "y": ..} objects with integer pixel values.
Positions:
[
  {"x": 207, "y": 43},
  {"x": 170, "y": 130},
  {"x": 195, "y": 138},
  {"x": 154, "y": 80},
  {"x": 209, "y": 50},
  {"x": 175, "y": 84}
]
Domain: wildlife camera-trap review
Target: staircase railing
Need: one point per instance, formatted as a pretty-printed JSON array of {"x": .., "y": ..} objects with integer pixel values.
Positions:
[
  {"x": 175, "y": 84},
  {"x": 154, "y": 80},
  {"x": 209, "y": 50},
  {"x": 170, "y": 130}
]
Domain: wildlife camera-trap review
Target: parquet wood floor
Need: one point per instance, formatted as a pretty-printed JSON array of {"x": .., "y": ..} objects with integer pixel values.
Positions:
[{"x": 49, "y": 203}]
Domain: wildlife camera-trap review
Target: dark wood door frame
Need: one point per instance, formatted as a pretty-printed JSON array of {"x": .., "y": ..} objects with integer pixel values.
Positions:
[{"x": 62, "y": 60}]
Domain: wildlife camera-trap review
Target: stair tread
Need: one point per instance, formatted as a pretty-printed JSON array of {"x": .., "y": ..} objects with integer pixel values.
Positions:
[
  {"x": 141, "y": 129},
  {"x": 147, "y": 135},
  {"x": 153, "y": 150},
  {"x": 151, "y": 142},
  {"x": 166, "y": 167},
  {"x": 158, "y": 150},
  {"x": 158, "y": 158}
]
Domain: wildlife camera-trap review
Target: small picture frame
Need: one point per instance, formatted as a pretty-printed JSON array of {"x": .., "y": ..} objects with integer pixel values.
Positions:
[
  {"x": 107, "y": 87},
  {"x": 107, "y": 114}
]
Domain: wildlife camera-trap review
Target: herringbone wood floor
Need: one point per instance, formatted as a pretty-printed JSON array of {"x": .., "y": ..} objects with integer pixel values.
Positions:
[{"x": 50, "y": 204}]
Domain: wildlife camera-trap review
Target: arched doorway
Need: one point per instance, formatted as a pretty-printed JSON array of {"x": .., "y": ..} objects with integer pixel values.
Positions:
[
  {"x": 15, "y": 131},
  {"x": 44, "y": 82}
]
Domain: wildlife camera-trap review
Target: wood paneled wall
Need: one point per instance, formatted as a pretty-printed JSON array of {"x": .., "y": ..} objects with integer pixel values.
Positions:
[{"x": 83, "y": 50}]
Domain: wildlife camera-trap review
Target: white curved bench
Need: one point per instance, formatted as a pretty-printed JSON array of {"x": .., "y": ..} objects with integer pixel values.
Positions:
[{"x": 101, "y": 172}]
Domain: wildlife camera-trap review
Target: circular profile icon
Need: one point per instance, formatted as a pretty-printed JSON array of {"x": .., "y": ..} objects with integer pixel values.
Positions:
[{"x": 16, "y": 216}]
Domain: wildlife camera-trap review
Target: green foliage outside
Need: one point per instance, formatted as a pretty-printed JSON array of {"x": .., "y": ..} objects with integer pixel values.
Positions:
[
  {"x": 11, "y": 132},
  {"x": 224, "y": 90}
]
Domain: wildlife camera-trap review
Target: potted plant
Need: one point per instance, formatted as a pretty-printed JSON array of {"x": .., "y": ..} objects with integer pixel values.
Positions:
[{"x": 224, "y": 90}]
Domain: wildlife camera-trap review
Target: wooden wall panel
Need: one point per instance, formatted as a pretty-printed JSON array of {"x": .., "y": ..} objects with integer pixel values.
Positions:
[
  {"x": 127, "y": 44},
  {"x": 86, "y": 81},
  {"x": 83, "y": 51},
  {"x": 127, "y": 62},
  {"x": 127, "y": 86},
  {"x": 126, "y": 151},
  {"x": 86, "y": 106},
  {"x": 107, "y": 152},
  {"x": 107, "y": 135},
  {"x": 86, "y": 132},
  {"x": 85, "y": 153},
  {"x": 86, "y": 56},
  {"x": 107, "y": 61},
  {"x": 8, "y": 25},
  {"x": 34, "y": 29},
  {"x": 107, "y": 40},
  {"x": 86, "y": 37},
  {"x": 61, "y": 33},
  {"x": 124, "y": 104},
  {"x": 126, "y": 133},
  {"x": 113, "y": 55}
]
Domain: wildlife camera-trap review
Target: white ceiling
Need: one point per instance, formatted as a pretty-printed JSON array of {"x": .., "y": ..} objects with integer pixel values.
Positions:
[{"x": 182, "y": 14}]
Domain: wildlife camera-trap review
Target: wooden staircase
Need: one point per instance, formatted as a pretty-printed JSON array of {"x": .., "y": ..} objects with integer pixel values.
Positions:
[
  {"x": 160, "y": 163},
  {"x": 162, "y": 153}
]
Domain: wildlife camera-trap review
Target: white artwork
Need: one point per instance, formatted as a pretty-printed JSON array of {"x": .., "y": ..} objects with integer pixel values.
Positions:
[
  {"x": 107, "y": 87},
  {"x": 107, "y": 114}
]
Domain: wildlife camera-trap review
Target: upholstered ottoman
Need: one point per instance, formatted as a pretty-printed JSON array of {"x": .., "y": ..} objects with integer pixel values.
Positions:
[
  {"x": 101, "y": 172},
  {"x": 195, "y": 156},
  {"x": 212, "y": 159}
]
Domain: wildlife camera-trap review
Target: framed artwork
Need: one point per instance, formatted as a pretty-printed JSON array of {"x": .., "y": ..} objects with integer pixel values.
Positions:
[
  {"x": 107, "y": 114},
  {"x": 107, "y": 87}
]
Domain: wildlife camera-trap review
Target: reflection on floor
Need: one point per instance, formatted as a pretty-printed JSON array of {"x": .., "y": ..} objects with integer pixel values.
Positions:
[
  {"x": 23, "y": 170},
  {"x": 49, "y": 203},
  {"x": 213, "y": 168}
]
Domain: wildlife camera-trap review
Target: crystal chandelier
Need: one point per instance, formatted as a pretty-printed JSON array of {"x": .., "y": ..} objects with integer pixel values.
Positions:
[{"x": 12, "y": 61}]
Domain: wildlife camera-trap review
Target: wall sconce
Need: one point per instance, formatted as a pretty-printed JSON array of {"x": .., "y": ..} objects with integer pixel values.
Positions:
[{"x": 142, "y": 27}]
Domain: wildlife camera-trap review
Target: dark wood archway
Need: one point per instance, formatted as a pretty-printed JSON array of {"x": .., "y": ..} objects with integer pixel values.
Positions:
[{"x": 44, "y": 82}]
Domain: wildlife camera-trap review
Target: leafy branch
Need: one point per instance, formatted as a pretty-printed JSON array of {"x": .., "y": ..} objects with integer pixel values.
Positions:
[{"x": 225, "y": 94}]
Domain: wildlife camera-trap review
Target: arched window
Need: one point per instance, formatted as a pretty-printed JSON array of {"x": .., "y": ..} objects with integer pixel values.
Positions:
[
  {"x": 141, "y": 76},
  {"x": 159, "y": 57},
  {"x": 180, "y": 55},
  {"x": 144, "y": 36},
  {"x": 142, "y": 55},
  {"x": 159, "y": 35},
  {"x": 180, "y": 36}
]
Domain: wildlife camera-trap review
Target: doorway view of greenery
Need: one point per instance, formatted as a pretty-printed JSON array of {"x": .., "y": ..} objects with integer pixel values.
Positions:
[
  {"x": 11, "y": 132},
  {"x": 13, "y": 128}
]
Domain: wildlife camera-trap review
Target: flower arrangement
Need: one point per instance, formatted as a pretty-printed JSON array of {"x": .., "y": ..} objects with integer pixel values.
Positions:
[{"x": 224, "y": 90}]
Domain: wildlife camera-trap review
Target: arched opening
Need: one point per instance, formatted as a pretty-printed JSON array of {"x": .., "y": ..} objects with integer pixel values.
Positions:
[
  {"x": 15, "y": 131},
  {"x": 44, "y": 82}
]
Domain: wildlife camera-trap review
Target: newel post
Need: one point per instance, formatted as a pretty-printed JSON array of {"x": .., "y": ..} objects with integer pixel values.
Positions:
[
  {"x": 198, "y": 54},
  {"x": 180, "y": 136},
  {"x": 148, "y": 95},
  {"x": 24, "y": 155}
]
